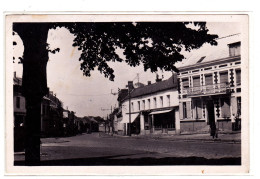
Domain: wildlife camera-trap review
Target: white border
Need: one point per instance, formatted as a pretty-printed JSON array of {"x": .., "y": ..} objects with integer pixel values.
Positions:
[{"x": 146, "y": 170}]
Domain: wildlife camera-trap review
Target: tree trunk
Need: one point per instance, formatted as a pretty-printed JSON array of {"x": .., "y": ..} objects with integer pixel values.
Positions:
[{"x": 34, "y": 85}]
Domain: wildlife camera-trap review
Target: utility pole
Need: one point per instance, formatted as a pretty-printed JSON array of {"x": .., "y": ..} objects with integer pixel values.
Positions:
[{"x": 129, "y": 94}]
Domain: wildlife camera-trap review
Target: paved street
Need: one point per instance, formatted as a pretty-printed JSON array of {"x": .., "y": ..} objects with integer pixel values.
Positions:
[{"x": 93, "y": 149}]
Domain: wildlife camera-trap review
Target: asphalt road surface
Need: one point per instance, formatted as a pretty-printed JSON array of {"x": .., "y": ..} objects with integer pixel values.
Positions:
[{"x": 92, "y": 149}]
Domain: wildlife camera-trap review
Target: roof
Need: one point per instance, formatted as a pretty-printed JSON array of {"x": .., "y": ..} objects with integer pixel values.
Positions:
[
  {"x": 155, "y": 87},
  {"x": 208, "y": 53}
]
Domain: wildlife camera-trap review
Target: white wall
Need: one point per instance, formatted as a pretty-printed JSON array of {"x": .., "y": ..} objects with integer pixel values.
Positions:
[{"x": 174, "y": 101}]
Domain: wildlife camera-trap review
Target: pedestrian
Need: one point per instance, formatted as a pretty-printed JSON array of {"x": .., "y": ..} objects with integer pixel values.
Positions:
[{"x": 213, "y": 131}]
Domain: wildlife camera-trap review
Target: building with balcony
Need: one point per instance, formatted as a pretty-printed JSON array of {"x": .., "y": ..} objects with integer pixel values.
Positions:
[
  {"x": 210, "y": 87},
  {"x": 154, "y": 108}
]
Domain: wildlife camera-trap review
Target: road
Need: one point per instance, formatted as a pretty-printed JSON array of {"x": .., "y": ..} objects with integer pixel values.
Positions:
[{"x": 92, "y": 149}]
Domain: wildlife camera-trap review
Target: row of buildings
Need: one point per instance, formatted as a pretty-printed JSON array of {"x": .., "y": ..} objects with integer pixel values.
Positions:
[
  {"x": 55, "y": 120},
  {"x": 205, "y": 92}
]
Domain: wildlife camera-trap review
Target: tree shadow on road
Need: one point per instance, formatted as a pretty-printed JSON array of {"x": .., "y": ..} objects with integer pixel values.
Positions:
[{"x": 146, "y": 161}]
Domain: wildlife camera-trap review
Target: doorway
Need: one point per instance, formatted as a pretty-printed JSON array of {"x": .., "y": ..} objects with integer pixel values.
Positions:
[{"x": 211, "y": 113}]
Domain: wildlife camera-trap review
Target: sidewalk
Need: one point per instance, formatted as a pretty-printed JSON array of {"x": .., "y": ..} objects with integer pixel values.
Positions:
[{"x": 227, "y": 137}]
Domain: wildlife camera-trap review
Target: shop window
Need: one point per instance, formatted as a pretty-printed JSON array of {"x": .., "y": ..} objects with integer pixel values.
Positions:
[{"x": 225, "y": 107}]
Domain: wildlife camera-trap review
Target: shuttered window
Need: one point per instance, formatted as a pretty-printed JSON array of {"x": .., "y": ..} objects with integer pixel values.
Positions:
[
  {"x": 224, "y": 77},
  {"x": 208, "y": 79},
  {"x": 181, "y": 110},
  {"x": 188, "y": 109},
  {"x": 238, "y": 77},
  {"x": 184, "y": 110},
  {"x": 185, "y": 82},
  {"x": 196, "y": 81},
  {"x": 225, "y": 107},
  {"x": 197, "y": 109}
]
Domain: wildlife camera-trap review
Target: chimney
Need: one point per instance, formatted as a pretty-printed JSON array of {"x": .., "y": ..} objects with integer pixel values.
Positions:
[
  {"x": 130, "y": 85},
  {"x": 149, "y": 82},
  {"x": 157, "y": 78}
]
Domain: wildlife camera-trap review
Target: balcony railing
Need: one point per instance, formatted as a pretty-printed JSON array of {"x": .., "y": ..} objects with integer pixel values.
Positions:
[{"x": 207, "y": 89}]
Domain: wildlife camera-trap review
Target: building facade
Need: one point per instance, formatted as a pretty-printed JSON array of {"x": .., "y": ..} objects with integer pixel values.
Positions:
[
  {"x": 154, "y": 108},
  {"x": 210, "y": 87}
]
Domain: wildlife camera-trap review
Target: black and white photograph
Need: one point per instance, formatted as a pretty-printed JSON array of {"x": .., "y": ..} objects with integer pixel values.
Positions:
[{"x": 127, "y": 91}]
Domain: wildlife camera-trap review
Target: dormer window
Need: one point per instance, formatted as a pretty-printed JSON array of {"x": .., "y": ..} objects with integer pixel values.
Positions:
[{"x": 234, "y": 49}]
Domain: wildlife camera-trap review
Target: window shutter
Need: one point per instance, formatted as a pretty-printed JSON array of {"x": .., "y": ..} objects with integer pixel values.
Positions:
[
  {"x": 185, "y": 82},
  {"x": 199, "y": 109},
  {"x": 208, "y": 79},
  {"x": 225, "y": 107},
  {"x": 224, "y": 77},
  {"x": 188, "y": 110},
  {"x": 238, "y": 76},
  {"x": 196, "y": 81},
  {"x": 181, "y": 111}
]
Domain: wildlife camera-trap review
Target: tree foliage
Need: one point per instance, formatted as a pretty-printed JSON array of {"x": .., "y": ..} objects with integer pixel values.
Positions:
[{"x": 156, "y": 45}]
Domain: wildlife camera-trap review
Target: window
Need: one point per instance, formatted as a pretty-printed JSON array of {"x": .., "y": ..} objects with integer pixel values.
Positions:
[
  {"x": 238, "y": 77},
  {"x": 196, "y": 81},
  {"x": 224, "y": 77},
  {"x": 17, "y": 102},
  {"x": 143, "y": 104},
  {"x": 234, "y": 49},
  {"x": 138, "y": 105},
  {"x": 169, "y": 100},
  {"x": 208, "y": 79},
  {"x": 197, "y": 109},
  {"x": 132, "y": 106},
  {"x": 185, "y": 83},
  {"x": 184, "y": 110},
  {"x": 161, "y": 100},
  {"x": 154, "y": 102},
  {"x": 225, "y": 107},
  {"x": 149, "y": 103},
  {"x": 239, "y": 106}
]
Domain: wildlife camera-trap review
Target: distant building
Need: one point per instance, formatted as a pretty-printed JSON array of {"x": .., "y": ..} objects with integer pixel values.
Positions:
[
  {"x": 18, "y": 102},
  {"x": 210, "y": 87},
  {"x": 51, "y": 115},
  {"x": 154, "y": 108}
]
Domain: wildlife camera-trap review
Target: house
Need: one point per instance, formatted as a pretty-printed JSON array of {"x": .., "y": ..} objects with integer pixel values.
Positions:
[
  {"x": 154, "y": 108},
  {"x": 18, "y": 102},
  {"x": 19, "y": 110},
  {"x": 210, "y": 87},
  {"x": 51, "y": 115}
]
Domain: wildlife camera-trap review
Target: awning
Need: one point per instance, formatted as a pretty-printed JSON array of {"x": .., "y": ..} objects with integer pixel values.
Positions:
[
  {"x": 160, "y": 112},
  {"x": 135, "y": 118}
]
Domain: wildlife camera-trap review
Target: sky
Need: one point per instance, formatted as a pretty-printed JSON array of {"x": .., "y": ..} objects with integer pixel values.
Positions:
[{"x": 91, "y": 96}]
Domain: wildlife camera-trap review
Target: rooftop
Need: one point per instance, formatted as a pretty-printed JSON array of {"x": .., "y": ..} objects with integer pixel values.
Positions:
[
  {"x": 208, "y": 53},
  {"x": 170, "y": 83}
]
